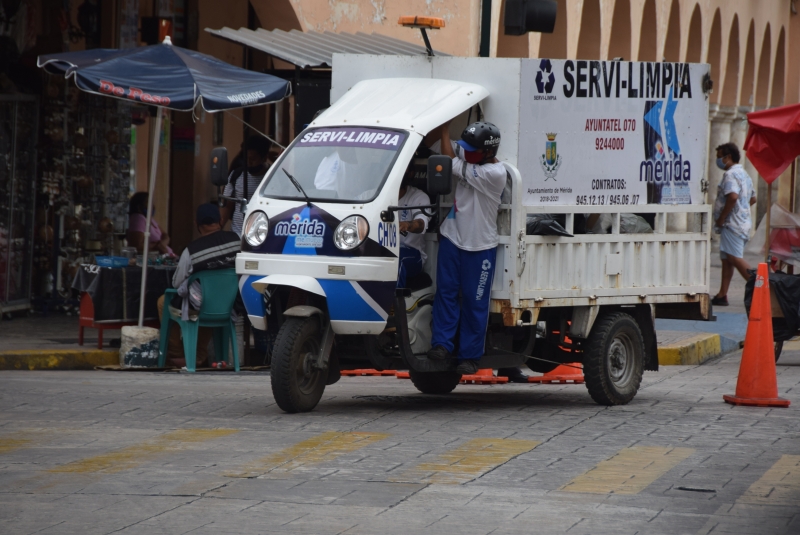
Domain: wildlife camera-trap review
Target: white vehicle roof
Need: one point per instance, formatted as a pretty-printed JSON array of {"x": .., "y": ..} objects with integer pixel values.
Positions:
[{"x": 416, "y": 104}]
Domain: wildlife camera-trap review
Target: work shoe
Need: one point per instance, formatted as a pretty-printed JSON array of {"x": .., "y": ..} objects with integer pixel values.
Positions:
[
  {"x": 514, "y": 375},
  {"x": 467, "y": 367},
  {"x": 438, "y": 353},
  {"x": 720, "y": 301}
]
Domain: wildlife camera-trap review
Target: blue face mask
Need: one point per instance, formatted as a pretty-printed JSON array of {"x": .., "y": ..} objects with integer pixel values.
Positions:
[{"x": 720, "y": 164}]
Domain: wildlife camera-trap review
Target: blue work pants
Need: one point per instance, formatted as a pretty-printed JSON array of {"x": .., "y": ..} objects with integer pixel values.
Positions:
[
  {"x": 469, "y": 273},
  {"x": 410, "y": 265}
]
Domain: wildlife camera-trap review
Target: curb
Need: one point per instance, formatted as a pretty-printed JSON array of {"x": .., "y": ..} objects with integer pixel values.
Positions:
[
  {"x": 691, "y": 351},
  {"x": 58, "y": 359}
]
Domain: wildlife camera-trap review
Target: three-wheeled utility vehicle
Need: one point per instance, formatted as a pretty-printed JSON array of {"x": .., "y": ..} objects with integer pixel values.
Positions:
[{"x": 582, "y": 141}]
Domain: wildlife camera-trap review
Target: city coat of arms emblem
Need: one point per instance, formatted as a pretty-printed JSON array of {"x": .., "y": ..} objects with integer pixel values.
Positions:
[{"x": 550, "y": 160}]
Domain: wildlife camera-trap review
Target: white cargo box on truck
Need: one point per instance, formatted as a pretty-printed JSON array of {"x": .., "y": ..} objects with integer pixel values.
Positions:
[{"x": 585, "y": 137}]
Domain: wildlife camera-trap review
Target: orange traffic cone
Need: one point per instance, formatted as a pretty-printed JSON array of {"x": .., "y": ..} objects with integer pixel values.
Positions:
[
  {"x": 758, "y": 381},
  {"x": 483, "y": 377},
  {"x": 572, "y": 373}
]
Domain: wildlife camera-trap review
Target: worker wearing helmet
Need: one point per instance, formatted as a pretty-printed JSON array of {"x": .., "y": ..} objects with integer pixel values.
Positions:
[{"x": 468, "y": 245}]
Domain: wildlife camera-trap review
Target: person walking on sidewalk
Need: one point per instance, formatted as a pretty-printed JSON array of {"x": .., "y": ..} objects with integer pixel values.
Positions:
[
  {"x": 468, "y": 245},
  {"x": 735, "y": 195}
]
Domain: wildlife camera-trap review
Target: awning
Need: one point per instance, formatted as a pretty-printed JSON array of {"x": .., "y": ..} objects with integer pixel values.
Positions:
[{"x": 314, "y": 49}]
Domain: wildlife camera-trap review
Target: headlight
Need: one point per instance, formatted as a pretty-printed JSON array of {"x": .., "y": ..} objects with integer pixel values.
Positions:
[
  {"x": 351, "y": 232},
  {"x": 256, "y": 228}
]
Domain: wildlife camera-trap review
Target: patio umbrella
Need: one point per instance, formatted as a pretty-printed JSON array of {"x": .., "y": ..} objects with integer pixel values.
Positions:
[
  {"x": 168, "y": 77},
  {"x": 772, "y": 145}
]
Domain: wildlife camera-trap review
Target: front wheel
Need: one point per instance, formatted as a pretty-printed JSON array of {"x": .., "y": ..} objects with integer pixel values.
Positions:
[
  {"x": 613, "y": 362},
  {"x": 297, "y": 384},
  {"x": 434, "y": 382}
]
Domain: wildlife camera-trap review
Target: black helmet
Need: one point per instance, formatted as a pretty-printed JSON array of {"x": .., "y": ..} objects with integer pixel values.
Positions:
[{"x": 481, "y": 135}]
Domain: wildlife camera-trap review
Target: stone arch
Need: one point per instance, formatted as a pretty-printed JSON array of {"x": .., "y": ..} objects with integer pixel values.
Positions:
[
  {"x": 620, "y": 45},
  {"x": 648, "y": 42},
  {"x": 730, "y": 86},
  {"x": 510, "y": 46},
  {"x": 694, "y": 43},
  {"x": 778, "y": 78},
  {"x": 764, "y": 70},
  {"x": 747, "y": 97},
  {"x": 554, "y": 45},
  {"x": 589, "y": 37},
  {"x": 672, "y": 45},
  {"x": 714, "y": 55}
]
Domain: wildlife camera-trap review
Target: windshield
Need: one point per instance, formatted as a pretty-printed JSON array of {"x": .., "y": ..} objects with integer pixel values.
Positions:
[{"x": 343, "y": 164}]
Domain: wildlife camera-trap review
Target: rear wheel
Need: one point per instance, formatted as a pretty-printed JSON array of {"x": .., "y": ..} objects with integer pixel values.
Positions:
[
  {"x": 297, "y": 384},
  {"x": 434, "y": 382},
  {"x": 613, "y": 363}
]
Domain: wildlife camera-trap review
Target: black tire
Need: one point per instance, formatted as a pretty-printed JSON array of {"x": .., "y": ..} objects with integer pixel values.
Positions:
[
  {"x": 613, "y": 362},
  {"x": 434, "y": 382},
  {"x": 296, "y": 386}
]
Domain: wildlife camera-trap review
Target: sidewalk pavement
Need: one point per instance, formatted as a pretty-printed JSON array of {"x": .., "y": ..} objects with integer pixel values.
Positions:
[{"x": 51, "y": 342}]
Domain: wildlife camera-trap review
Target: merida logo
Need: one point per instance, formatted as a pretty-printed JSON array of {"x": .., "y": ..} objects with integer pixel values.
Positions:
[
  {"x": 297, "y": 227},
  {"x": 677, "y": 170},
  {"x": 307, "y": 232}
]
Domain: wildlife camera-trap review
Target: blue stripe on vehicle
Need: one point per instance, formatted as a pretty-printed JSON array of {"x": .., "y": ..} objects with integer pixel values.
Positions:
[
  {"x": 253, "y": 300},
  {"x": 344, "y": 303},
  {"x": 290, "y": 248}
]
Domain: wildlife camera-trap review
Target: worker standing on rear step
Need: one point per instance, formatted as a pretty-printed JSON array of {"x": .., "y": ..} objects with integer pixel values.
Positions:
[{"x": 468, "y": 245}]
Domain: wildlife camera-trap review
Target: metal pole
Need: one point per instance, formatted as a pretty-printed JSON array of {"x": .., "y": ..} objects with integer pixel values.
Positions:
[
  {"x": 151, "y": 191},
  {"x": 427, "y": 42},
  {"x": 769, "y": 209}
]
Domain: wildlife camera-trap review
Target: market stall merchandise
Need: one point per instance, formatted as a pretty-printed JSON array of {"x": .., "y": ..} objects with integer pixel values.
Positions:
[
  {"x": 168, "y": 77},
  {"x": 18, "y": 136},
  {"x": 110, "y": 296}
]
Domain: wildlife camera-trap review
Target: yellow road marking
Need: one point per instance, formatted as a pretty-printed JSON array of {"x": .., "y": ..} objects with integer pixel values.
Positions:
[
  {"x": 465, "y": 463},
  {"x": 780, "y": 485},
  {"x": 10, "y": 444},
  {"x": 321, "y": 448},
  {"x": 133, "y": 456},
  {"x": 628, "y": 472}
]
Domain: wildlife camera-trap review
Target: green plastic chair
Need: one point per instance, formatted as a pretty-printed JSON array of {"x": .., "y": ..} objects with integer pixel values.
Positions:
[{"x": 220, "y": 287}]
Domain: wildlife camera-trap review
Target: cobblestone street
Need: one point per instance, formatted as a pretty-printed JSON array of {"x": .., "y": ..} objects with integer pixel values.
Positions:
[{"x": 140, "y": 452}]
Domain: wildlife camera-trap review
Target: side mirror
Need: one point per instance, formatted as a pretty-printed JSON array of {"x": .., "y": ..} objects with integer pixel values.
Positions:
[
  {"x": 219, "y": 166},
  {"x": 440, "y": 170}
]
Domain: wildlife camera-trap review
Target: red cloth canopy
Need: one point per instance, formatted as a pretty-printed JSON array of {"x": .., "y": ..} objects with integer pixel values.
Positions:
[{"x": 773, "y": 140}]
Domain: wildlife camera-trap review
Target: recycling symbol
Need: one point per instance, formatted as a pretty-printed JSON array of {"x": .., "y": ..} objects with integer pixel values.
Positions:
[{"x": 545, "y": 68}]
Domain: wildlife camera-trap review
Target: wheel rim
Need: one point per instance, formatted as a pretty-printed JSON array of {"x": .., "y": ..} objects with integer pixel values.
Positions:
[
  {"x": 620, "y": 359},
  {"x": 305, "y": 374}
]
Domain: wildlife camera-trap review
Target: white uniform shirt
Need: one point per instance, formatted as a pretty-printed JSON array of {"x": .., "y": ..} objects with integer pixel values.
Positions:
[
  {"x": 736, "y": 180},
  {"x": 414, "y": 197},
  {"x": 472, "y": 222}
]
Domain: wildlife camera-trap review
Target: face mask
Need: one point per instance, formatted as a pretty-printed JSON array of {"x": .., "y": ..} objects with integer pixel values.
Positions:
[
  {"x": 720, "y": 164},
  {"x": 473, "y": 156}
]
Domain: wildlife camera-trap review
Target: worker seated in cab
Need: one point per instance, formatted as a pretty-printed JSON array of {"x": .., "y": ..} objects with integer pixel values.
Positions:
[{"x": 413, "y": 224}]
